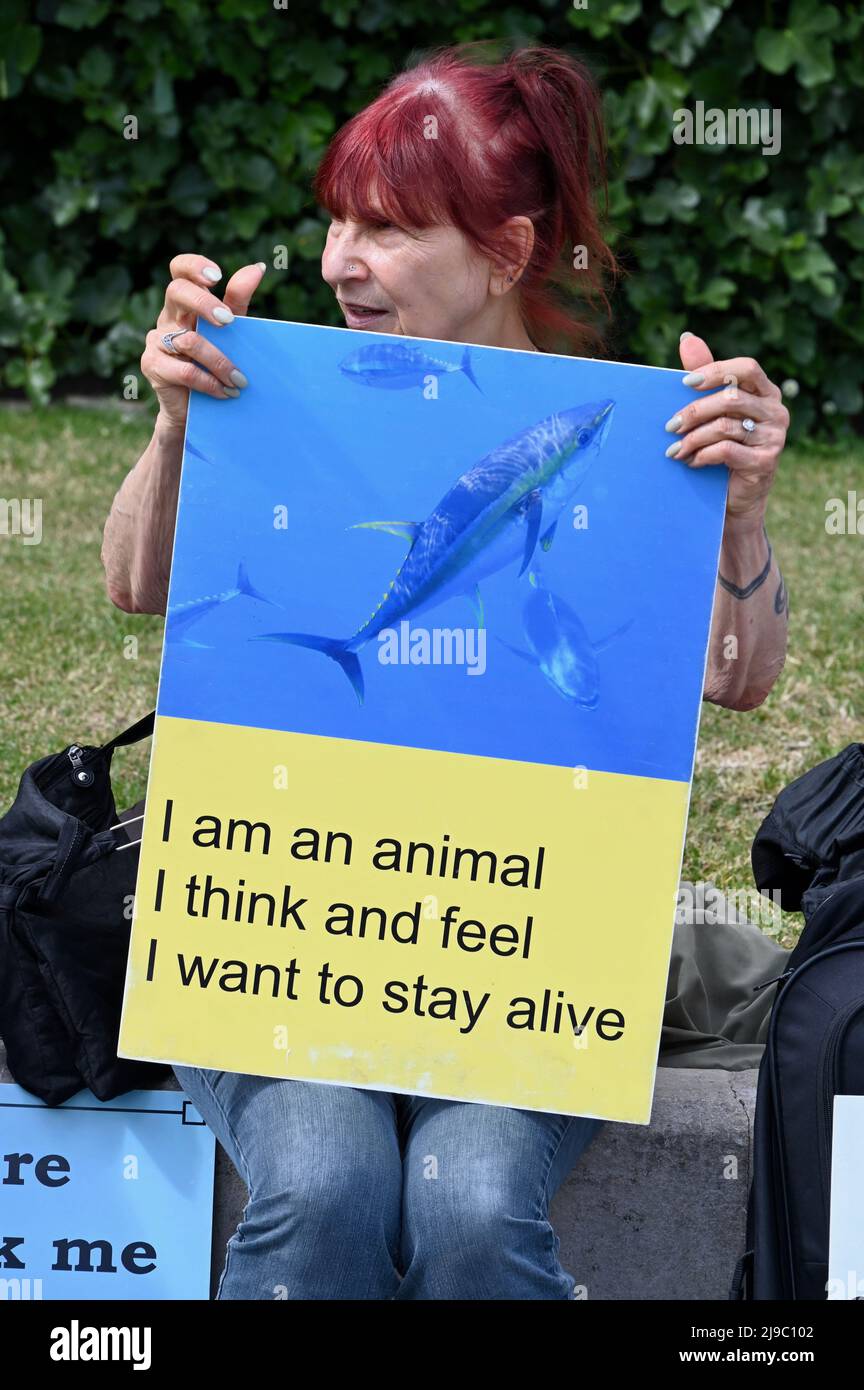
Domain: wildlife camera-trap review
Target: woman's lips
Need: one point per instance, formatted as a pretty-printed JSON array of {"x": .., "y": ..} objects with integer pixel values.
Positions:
[{"x": 361, "y": 315}]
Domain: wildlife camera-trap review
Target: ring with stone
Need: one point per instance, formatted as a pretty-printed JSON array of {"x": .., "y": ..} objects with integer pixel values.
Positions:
[
  {"x": 168, "y": 338},
  {"x": 748, "y": 424}
]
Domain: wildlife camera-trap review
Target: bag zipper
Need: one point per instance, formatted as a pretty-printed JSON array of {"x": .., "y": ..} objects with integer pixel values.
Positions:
[
  {"x": 766, "y": 983},
  {"x": 81, "y": 776}
]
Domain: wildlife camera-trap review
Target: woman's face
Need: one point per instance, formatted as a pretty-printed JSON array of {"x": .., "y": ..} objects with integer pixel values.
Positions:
[{"x": 425, "y": 284}]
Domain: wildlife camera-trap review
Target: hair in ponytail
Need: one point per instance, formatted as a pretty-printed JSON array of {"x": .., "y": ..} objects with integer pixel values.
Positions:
[{"x": 472, "y": 142}]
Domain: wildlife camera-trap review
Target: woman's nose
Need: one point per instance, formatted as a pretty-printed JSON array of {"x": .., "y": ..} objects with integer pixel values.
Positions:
[
  {"x": 342, "y": 260},
  {"x": 355, "y": 269}
]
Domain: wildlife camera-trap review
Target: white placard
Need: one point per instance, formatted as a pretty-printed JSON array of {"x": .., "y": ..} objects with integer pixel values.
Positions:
[{"x": 846, "y": 1243}]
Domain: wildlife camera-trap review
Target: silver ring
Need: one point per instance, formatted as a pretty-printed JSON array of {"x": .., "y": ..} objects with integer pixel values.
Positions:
[
  {"x": 749, "y": 425},
  {"x": 168, "y": 339}
]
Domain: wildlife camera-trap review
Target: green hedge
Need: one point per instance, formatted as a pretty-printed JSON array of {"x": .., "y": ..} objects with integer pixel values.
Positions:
[{"x": 235, "y": 100}]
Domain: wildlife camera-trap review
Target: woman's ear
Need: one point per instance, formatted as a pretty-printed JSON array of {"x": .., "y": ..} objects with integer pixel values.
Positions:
[{"x": 516, "y": 238}]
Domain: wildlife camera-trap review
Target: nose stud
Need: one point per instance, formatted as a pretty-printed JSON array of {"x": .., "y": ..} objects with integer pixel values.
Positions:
[{"x": 352, "y": 267}]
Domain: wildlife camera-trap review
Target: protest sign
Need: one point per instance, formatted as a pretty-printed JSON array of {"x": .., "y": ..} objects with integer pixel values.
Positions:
[
  {"x": 105, "y": 1199},
  {"x": 846, "y": 1240},
  {"x": 433, "y": 663}
]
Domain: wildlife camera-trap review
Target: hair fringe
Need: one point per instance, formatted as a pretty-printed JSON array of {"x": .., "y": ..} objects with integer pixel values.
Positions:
[{"x": 523, "y": 135}]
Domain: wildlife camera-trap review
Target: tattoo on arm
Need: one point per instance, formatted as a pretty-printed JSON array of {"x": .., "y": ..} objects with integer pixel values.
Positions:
[
  {"x": 781, "y": 598},
  {"x": 748, "y": 589}
]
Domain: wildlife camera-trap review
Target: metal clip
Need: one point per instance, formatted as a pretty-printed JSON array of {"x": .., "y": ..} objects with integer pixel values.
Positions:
[{"x": 81, "y": 776}]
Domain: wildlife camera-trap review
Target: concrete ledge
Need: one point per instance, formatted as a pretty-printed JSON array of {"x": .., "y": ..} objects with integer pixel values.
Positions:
[
  {"x": 650, "y": 1211},
  {"x": 659, "y": 1211}
]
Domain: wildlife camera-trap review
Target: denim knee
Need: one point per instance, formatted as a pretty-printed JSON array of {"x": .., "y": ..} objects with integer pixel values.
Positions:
[{"x": 478, "y": 1249}]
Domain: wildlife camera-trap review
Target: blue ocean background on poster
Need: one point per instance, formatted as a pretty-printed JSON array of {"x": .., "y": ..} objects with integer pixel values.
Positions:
[{"x": 278, "y": 486}]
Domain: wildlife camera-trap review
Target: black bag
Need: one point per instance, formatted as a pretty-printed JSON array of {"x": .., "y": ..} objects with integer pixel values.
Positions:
[
  {"x": 65, "y": 894},
  {"x": 810, "y": 848}
]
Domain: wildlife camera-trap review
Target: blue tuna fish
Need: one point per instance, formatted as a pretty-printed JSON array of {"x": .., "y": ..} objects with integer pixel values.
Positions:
[
  {"x": 560, "y": 646},
  {"x": 396, "y": 366},
  {"x": 184, "y": 615},
  {"x": 492, "y": 516}
]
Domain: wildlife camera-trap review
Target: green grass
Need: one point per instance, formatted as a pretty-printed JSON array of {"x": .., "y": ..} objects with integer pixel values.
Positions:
[{"x": 71, "y": 672}]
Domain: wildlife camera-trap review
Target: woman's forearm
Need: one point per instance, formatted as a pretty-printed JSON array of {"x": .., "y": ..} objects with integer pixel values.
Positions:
[
  {"x": 747, "y": 647},
  {"x": 139, "y": 532}
]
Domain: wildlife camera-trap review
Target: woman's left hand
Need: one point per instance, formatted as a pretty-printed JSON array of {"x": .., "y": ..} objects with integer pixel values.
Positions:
[{"x": 711, "y": 430}]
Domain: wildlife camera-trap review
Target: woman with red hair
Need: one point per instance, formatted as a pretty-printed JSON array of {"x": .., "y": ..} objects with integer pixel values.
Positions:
[{"x": 459, "y": 199}]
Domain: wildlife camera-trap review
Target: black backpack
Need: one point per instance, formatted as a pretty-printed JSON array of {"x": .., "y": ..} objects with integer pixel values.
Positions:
[
  {"x": 810, "y": 848},
  {"x": 65, "y": 894}
]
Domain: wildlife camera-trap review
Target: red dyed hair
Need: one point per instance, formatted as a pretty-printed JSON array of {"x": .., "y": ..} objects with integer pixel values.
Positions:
[{"x": 519, "y": 137}]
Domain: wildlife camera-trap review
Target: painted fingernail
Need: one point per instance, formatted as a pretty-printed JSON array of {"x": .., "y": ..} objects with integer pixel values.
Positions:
[
  {"x": 673, "y": 449},
  {"x": 238, "y": 378},
  {"x": 261, "y": 265},
  {"x": 693, "y": 379},
  {"x": 685, "y": 334},
  {"x": 223, "y": 315},
  {"x": 674, "y": 424},
  {"x": 212, "y": 273},
  {"x": 231, "y": 391}
]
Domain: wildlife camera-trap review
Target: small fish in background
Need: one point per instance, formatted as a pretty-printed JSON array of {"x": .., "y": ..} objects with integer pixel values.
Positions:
[
  {"x": 559, "y": 645},
  {"x": 396, "y": 367},
  {"x": 184, "y": 615}
]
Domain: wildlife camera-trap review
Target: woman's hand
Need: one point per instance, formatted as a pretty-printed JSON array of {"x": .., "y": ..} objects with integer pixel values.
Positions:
[
  {"x": 711, "y": 430},
  {"x": 174, "y": 373}
]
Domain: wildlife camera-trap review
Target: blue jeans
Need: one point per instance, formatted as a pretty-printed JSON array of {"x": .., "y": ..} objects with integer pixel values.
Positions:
[{"x": 357, "y": 1194}]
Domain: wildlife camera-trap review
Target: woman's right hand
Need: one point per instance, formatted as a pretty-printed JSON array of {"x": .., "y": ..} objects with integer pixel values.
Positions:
[{"x": 173, "y": 374}]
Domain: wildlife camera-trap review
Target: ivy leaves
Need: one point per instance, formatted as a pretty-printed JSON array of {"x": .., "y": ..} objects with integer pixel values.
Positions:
[{"x": 187, "y": 124}]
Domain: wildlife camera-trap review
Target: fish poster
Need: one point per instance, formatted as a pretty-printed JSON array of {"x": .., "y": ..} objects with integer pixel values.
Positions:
[
  {"x": 434, "y": 653},
  {"x": 105, "y": 1199}
]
